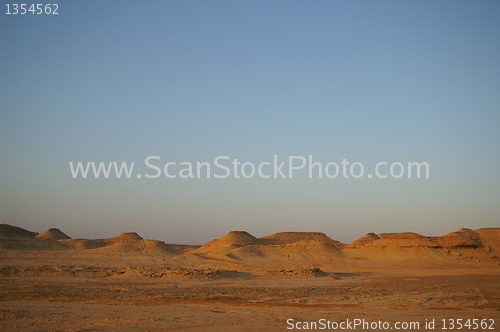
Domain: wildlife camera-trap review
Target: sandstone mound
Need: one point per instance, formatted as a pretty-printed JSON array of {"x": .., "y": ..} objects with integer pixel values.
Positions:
[
  {"x": 365, "y": 239},
  {"x": 382, "y": 235},
  {"x": 53, "y": 234},
  {"x": 284, "y": 238},
  {"x": 83, "y": 243},
  {"x": 241, "y": 245},
  {"x": 403, "y": 240},
  {"x": 300, "y": 250},
  {"x": 490, "y": 237},
  {"x": 24, "y": 243},
  {"x": 17, "y": 238},
  {"x": 233, "y": 239},
  {"x": 400, "y": 254},
  {"x": 464, "y": 238},
  {"x": 14, "y": 231},
  {"x": 463, "y": 245},
  {"x": 129, "y": 236},
  {"x": 140, "y": 246}
]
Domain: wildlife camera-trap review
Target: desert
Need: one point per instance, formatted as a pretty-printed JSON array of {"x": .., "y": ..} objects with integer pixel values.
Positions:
[{"x": 238, "y": 282}]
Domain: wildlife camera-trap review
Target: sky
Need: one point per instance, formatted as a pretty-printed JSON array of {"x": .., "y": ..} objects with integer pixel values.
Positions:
[{"x": 187, "y": 81}]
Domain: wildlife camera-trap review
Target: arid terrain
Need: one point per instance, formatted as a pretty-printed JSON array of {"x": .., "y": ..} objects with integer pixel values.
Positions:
[{"x": 50, "y": 282}]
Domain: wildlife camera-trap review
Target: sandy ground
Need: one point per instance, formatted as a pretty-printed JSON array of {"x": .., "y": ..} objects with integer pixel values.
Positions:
[{"x": 91, "y": 290}]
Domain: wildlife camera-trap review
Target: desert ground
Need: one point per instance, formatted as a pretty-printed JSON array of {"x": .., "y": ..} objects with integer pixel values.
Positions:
[{"x": 306, "y": 280}]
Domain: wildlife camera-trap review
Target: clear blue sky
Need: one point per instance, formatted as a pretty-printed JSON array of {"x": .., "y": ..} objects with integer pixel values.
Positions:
[{"x": 367, "y": 81}]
